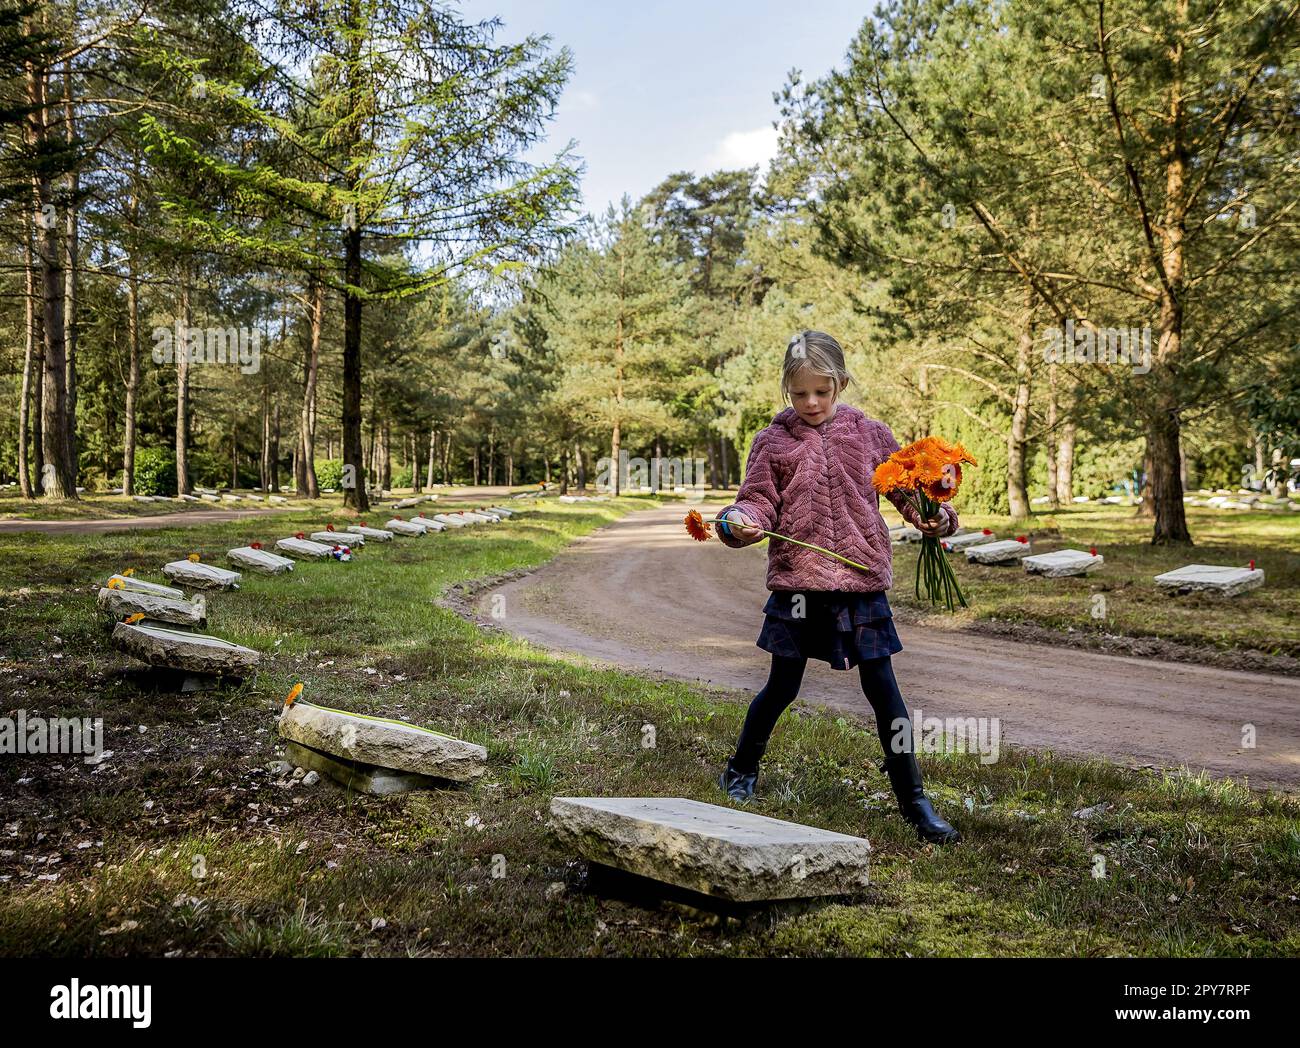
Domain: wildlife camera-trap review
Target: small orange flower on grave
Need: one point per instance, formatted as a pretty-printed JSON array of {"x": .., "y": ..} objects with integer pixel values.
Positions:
[
  {"x": 697, "y": 527},
  {"x": 292, "y": 697},
  {"x": 128, "y": 573},
  {"x": 329, "y": 527},
  {"x": 133, "y": 618},
  {"x": 193, "y": 558},
  {"x": 116, "y": 584}
]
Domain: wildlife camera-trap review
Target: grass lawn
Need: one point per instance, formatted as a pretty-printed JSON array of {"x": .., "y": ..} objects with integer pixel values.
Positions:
[
  {"x": 181, "y": 842},
  {"x": 1263, "y": 622}
]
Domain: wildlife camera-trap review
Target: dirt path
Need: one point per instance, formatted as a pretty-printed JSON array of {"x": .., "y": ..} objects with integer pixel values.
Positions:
[
  {"x": 640, "y": 595},
  {"x": 162, "y": 520}
]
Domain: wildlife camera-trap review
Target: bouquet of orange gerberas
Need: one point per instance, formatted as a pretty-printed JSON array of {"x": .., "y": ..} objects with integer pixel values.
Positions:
[{"x": 927, "y": 473}]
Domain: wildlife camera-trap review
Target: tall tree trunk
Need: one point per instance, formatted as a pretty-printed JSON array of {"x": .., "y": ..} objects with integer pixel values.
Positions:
[
  {"x": 355, "y": 496},
  {"x": 30, "y": 364},
  {"x": 1018, "y": 436},
  {"x": 72, "y": 247},
  {"x": 1065, "y": 465},
  {"x": 580, "y": 465},
  {"x": 234, "y": 454},
  {"x": 446, "y": 457},
  {"x": 476, "y": 464},
  {"x": 564, "y": 472},
  {"x": 58, "y": 473},
  {"x": 510, "y": 467},
  {"x": 386, "y": 465},
  {"x": 1051, "y": 440},
  {"x": 132, "y": 374},
  {"x": 275, "y": 451},
  {"x": 306, "y": 470},
  {"x": 1163, "y": 424},
  {"x": 264, "y": 466},
  {"x": 433, "y": 453},
  {"x": 183, "y": 486},
  {"x": 415, "y": 463},
  {"x": 492, "y": 455}
]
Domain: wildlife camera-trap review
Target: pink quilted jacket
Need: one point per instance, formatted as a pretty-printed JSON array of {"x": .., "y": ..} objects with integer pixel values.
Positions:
[{"x": 813, "y": 483}]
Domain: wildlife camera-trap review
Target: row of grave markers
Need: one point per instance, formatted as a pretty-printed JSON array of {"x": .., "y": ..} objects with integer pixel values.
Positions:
[{"x": 984, "y": 547}]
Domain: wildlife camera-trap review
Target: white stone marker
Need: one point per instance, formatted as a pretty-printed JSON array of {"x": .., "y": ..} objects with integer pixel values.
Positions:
[
  {"x": 998, "y": 552},
  {"x": 279, "y": 500},
  {"x": 261, "y": 561},
  {"x": 364, "y": 778},
  {"x": 304, "y": 549},
  {"x": 1062, "y": 562},
  {"x": 407, "y": 503},
  {"x": 209, "y": 498},
  {"x": 502, "y": 511},
  {"x": 130, "y": 582},
  {"x": 231, "y": 498},
  {"x": 341, "y": 538},
  {"x": 450, "y": 521},
  {"x": 429, "y": 523},
  {"x": 142, "y": 498},
  {"x": 406, "y": 527},
  {"x": 1211, "y": 578},
  {"x": 119, "y": 603},
  {"x": 193, "y": 652},
  {"x": 965, "y": 540},
  {"x": 194, "y": 574},
  {"x": 188, "y": 498},
  {"x": 255, "y": 498},
  {"x": 384, "y": 743},
  {"x": 714, "y": 850},
  {"x": 373, "y": 534}
]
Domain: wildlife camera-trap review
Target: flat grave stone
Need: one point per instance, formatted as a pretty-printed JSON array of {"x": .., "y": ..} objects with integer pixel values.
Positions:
[
  {"x": 718, "y": 851},
  {"x": 429, "y": 523},
  {"x": 209, "y": 498},
  {"x": 279, "y": 500},
  {"x": 304, "y": 549},
  {"x": 130, "y": 582},
  {"x": 409, "y": 528},
  {"x": 1211, "y": 578},
  {"x": 383, "y": 743},
  {"x": 964, "y": 540},
  {"x": 120, "y": 603},
  {"x": 342, "y": 538},
  {"x": 188, "y": 498},
  {"x": 255, "y": 498},
  {"x": 261, "y": 561},
  {"x": 406, "y": 503},
  {"x": 998, "y": 552},
  {"x": 1062, "y": 562},
  {"x": 142, "y": 498},
  {"x": 197, "y": 575},
  {"x": 231, "y": 498},
  {"x": 450, "y": 521},
  {"x": 192, "y": 652},
  {"x": 373, "y": 534},
  {"x": 503, "y": 511},
  {"x": 364, "y": 778}
]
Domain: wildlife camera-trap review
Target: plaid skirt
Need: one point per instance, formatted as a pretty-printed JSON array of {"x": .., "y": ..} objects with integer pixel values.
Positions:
[{"x": 839, "y": 628}]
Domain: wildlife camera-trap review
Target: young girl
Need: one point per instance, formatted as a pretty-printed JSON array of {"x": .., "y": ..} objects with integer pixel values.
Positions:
[{"x": 809, "y": 477}]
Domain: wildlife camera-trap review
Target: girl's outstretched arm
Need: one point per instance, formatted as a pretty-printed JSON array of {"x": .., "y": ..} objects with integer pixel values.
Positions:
[{"x": 758, "y": 497}]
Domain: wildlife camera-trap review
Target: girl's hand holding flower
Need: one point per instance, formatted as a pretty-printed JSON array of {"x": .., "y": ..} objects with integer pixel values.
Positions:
[
  {"x": 742, "y": 527},
  {"x": 932, "y": 527}
]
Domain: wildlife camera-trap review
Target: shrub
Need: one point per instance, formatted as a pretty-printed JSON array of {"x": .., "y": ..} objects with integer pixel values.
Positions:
[
  {"x": 329, "y": 473},
  {"x": 155, "y": 471}
]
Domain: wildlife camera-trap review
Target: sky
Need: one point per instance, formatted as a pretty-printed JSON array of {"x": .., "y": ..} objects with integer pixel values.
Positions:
[{"x": 661, "y": 86}]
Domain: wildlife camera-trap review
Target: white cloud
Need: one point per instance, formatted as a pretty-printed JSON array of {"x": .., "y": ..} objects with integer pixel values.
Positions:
[{"x": 744, "y": 149}]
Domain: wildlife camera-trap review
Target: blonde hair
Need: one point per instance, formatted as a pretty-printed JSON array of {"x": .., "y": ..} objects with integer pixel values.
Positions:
[{"x": 817, "y": 353}]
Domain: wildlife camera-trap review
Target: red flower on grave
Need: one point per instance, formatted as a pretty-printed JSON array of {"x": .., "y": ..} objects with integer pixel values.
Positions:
[
  {"x": 988, "y": 531},
  {"x": 1252, "y": 564},
  {"x": 1092, "y": 550},
  {"x": 329, "y": 527},
  {"x": 299, "y": 535},
  {"x": 254, "y": 545},
  {"x": 1021, "y": 538}
]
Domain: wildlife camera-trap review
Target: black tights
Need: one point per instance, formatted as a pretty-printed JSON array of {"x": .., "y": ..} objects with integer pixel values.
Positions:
[{"x": 782, "y": 687}]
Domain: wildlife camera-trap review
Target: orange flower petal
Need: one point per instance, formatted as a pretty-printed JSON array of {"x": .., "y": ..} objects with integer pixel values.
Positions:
[
  {"x": 292, "y": 697},
  {"x": 697, "y": 527}
]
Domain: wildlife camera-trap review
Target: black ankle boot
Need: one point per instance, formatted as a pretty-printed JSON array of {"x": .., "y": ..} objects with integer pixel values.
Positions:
[
  {"x": 737, "y": 782},
  {"x": 905, "y": 777}
]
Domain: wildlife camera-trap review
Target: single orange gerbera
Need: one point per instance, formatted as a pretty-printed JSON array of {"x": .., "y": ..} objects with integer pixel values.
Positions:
[
  {"x": 193, "y": 558},
  {"x": 130, "y": 619},
  {"x": 292, "y": 697},
  {"x": 890, "y": 476},
  {"x": 697, "y": 526},
  {"x": 116, "y": 584}
]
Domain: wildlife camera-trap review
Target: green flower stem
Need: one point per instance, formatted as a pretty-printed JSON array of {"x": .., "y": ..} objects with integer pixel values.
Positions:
[{"x": 805, "y": 545}]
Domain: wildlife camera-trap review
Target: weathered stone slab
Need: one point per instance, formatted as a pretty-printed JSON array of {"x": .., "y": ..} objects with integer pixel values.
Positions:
[
  {"x": 192, "y": 652},
  {"x": 450, "y": 520},
  {"x": 209, "y": 498},
  {"x": 1211, "y": 578},
  {"x": 407, "y": 503},
  {"x": 279, "y": 500},
  {"x": 130, "y": 582},
  {"x": 480, "y": 518},
  {"x": 341, "y": 538},
  {"x": 231, "y": 498},
  {"x": 734, "y": 855},
  {"x": 503, "y": 512},
  {"x": 364, "y": 778},
  {"x": 1062, "y": 562},
  {"x": 120, "y": 603},
  {"x": 406, "y": 527},
  {"x": 373, "y": 534},
  {"x": 141, "y": 498},
  {"x": 304, "y": 549},
  {"x": 194, "y": 574},
  {"x": 965, "y": 539},
  {"x": 261, "y": 561},
  {"x": 255, "y": 498},
  {"x": 188, "y": 498},
  {"x": 998, "y": 552},
  {"x": 429, "y": 523},
  {"x": 383, "y": 743}
]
